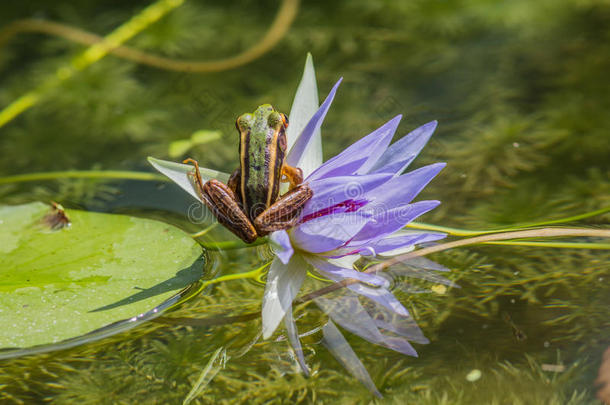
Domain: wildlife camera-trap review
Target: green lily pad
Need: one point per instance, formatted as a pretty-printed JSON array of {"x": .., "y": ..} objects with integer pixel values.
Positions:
[{"x": 59, "y": 284}]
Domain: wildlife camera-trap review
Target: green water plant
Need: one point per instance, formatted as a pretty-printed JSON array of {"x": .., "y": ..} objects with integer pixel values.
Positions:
[{"x": 67, "y": 275}]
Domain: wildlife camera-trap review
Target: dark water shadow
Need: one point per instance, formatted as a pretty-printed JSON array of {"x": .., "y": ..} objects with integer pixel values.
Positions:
[{"x": 182, "y": 279}]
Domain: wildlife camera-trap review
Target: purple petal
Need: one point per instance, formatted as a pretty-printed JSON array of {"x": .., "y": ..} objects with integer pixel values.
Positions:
[
  {"x": 298, "y": 149},
  {"x": 425, "y": 264},
  {"x": 404, "y": 326},
  {"x": 338, "y": 272},
  {"x": 333, "y": 191},
  {"x": 402, "y": 152},
  {"x": 366, "y": 151},
  {"x": 283, "y": 284},
  {"x": 347, "y": 311},
  {"x": 388, "y": 222},
  {"x": 280, "y": 244},
  {"x": 403, "y": 189},
  {"x": 342, "y": 351},
  {"x": 295, "y": 342},
  {"x": 328, "y": 232},
  {"x": 405, "y": 270},
  {"x": 396, "y": 242},
  {"x": 378, "y": 294}
]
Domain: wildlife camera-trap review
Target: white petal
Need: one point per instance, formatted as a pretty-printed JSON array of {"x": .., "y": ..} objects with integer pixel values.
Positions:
[
  {"x": 179, "y": 174},
  {"x": 343, "y": 352},
  {"x": 283, "y": 284},
  {"x": 293, "y": 337},
  {"x": 304, "y": 106}
]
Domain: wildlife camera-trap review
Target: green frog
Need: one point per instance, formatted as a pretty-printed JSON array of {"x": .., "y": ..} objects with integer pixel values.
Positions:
[{"x": 250, "y": 205}]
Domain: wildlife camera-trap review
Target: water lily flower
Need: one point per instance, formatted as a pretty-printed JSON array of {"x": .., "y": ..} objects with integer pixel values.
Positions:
[{"x": 361, "y": 203}]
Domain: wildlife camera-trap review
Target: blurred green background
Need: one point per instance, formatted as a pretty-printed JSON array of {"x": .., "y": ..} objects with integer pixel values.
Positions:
[{"x": 521, "y": 92}]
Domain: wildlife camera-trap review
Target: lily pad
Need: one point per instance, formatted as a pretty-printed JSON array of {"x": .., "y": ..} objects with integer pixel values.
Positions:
[{"x": 58, "y": 283}]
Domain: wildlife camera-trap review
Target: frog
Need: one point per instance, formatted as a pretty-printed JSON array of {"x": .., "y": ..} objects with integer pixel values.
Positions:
[{"x": 250, "y": 204}]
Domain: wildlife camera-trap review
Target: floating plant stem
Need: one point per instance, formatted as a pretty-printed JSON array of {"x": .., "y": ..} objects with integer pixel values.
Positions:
[
  {"x": 82, "y": 174},
  {"x": 232, "y": 244},
  {"x": 502, "y": 236},
  {"x": 204, "y": 231},
  {"x": 561, "y": 245},
  {"x": 282, "y": 22},
  {"x": 89, "y": 56},
  {"x": 471, "y": 232}
]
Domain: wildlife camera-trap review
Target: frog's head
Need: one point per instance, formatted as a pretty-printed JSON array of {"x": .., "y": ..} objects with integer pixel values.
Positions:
[{"x": 265, "y": 116}]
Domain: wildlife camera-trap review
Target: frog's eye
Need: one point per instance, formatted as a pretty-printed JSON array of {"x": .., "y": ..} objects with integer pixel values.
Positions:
[
  {"x": 285, "y": 119},
  {"x": 243, "y": 122},
  {"x": 275, "y": 119}
]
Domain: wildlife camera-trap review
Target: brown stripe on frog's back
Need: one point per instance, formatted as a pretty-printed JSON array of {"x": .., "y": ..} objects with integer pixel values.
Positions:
[
  {"x": 244, "y": 162},
  {"x": 275, "y": 157}
]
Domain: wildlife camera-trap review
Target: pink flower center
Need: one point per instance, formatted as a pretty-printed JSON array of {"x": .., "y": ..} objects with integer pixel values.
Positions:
[{"x": 345, "y": 206}]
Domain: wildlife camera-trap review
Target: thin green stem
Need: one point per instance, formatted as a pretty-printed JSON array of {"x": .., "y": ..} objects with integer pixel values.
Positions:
[
  {"x": 482, "y": 239},
  {"x": 204, "y": 231},
  {"x": 516, "y": 227},
  {"x": 561, "y": 245},
  {"x": 89, "y": 56},
  {"x": 255, "y": 274},
  {"x": 276, "y": 32},
  {"x": 499, "y": 238},
  {"x": 83, "y": 174},
  {"x": 232, "y": 244}
]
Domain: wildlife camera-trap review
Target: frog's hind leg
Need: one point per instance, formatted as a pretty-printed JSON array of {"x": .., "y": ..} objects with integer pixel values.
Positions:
[
  {"x": 227, "y": 210},
  {"x": 221, "y": 201},
  {"x": 284, "y": 213},
  {"x": 293, "y": 175}
]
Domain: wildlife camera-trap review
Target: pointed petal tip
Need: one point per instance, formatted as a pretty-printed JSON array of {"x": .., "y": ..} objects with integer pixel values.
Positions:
[
  {"x": 267, "y": 332},
  {"x": 432, "y": 203},
  {"x": 433, "y": 168}
]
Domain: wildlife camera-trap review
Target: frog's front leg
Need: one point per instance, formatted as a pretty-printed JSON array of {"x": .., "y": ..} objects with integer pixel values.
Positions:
[
  {"x": 222, "y": 201},
  {"x": 284, "y": 213},
  {"x": 293, "y": 175}
]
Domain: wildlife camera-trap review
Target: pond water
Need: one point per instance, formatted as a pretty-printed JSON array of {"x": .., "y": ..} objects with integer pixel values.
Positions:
[{"x": 521, "y": 93}]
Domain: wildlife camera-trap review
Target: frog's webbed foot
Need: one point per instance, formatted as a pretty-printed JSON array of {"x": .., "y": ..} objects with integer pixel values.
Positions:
[
  {"x": 284, "y": 213},
  {"x": 221, "y": 200},
  {"x": 293, "y": 175}
]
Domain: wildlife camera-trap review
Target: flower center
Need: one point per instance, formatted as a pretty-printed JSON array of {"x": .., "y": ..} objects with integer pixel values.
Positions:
[{"x": 345, "y": 206}]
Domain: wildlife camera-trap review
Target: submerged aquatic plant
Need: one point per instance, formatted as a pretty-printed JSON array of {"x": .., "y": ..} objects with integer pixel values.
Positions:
[{"x": 360, "y": 205}]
